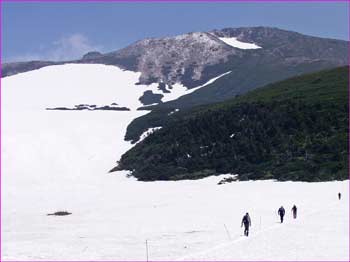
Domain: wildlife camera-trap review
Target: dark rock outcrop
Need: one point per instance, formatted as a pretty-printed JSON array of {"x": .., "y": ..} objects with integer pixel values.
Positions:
[{"x": 60, "y": 213}]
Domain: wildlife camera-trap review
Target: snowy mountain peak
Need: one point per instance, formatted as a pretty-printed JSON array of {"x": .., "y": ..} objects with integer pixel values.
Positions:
[{"x": 170, "y": 60}]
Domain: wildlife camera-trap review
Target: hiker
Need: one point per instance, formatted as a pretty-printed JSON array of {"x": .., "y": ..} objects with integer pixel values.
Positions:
[
  {"x": 281, "y": 213},
  {"x": 294, "y": 211},
  {"x": 247, "y": 223},
  {"x": 339, "y": 195}
]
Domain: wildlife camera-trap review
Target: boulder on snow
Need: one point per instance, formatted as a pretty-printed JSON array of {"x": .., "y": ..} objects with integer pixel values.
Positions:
[
  {"x": 228, "y": 180},
  {"x": 60, "y": 213}
]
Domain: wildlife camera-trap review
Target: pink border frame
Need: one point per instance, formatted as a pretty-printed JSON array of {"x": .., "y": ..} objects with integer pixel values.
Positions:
[
  {"x": 174, "y": 1},
  {"x": 164, "y": 1}
]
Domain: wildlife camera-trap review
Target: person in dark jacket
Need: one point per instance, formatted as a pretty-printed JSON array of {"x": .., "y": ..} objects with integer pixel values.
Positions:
[
  {"x": 339, "y": 196},
  {"x": 281, "y": 213},
  {"x": 294, "y": 211},
  {"x": 247, "y": 223}
]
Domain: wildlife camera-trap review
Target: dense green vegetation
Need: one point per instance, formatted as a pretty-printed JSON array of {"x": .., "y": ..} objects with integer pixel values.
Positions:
[{"x": 295, "y": 129}]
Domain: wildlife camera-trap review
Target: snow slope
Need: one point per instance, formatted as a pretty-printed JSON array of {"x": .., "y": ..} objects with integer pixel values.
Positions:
[
  {"x": 321, "y": 231},
  {"x": 58, "y": 160},
  {"x": 178, "y": 90},
  {"x": 232, "y": 41}
]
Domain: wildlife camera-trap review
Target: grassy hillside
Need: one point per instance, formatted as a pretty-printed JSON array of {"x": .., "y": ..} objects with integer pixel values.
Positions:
[{"x": 295, "y": 129}]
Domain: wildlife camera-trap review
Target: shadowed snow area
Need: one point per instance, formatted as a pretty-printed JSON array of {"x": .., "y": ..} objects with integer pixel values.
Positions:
[
  {"x": 232, "y": 41},
  {"x": 58, "y": 160}
]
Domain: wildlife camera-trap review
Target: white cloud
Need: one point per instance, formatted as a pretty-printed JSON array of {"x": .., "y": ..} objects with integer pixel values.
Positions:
[
  {"x": 66, "y": 48},
  {"x": 71, "y": 47}
]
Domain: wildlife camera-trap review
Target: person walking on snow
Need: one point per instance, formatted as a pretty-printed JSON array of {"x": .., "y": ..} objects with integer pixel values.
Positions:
[
  {"x": 281, "y": 213},
  {"x": 339, "y": 195},
  {"x": 247, "y": 223},
  {"x": 294, "y": 211}
]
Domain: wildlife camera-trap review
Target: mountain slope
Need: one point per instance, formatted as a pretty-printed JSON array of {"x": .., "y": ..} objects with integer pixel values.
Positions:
[
  {"x": 191, "y": 60},
  {"x": 291, "y": 130},
  {"x": 283, "y": 54}
]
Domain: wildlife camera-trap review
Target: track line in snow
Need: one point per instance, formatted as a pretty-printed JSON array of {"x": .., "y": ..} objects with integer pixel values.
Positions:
[
  {"x": 244, "y": 238},
  {"x": 229, "y": 243}
]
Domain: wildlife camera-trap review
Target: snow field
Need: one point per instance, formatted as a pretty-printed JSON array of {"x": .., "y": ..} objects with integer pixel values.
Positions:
[{"x": 58, "y": 160}]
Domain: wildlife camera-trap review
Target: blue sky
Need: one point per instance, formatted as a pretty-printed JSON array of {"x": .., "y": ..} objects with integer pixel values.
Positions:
[{"x": 60, "y": 31}]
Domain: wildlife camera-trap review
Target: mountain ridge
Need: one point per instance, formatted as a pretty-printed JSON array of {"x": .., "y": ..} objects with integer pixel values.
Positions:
[{"x": 134, "y": 56}]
